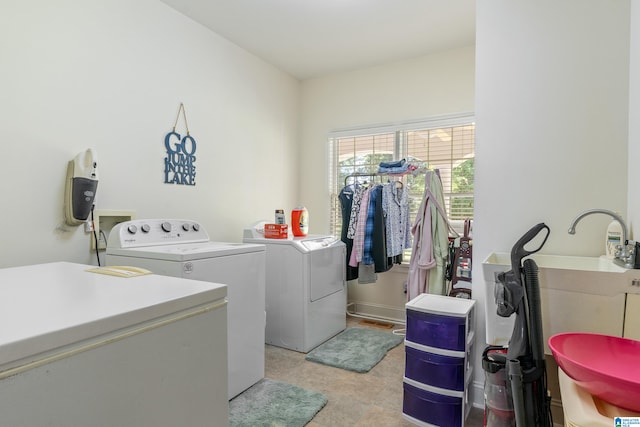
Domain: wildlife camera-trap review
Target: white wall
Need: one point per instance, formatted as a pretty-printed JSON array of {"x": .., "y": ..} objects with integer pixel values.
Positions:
[
  {"x": 552, "y": 84},
  {"x": 419, "y": 88},
  {"x": 633, "y": 193},
  {"x": 414, "y": 89},
  {"x": 551, "y": 109},
  {"x": 111, "y": 75}
]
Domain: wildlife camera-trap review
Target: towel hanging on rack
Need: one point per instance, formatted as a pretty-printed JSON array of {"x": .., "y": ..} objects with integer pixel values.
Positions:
[{"x": 430, "y": 242}]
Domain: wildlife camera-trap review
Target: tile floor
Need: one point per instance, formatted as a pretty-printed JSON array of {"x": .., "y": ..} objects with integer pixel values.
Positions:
[{"x": 371, "y": 399}]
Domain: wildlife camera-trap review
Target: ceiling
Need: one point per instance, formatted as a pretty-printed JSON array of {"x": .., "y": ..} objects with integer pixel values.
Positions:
[{"x": 312, "y": 38}]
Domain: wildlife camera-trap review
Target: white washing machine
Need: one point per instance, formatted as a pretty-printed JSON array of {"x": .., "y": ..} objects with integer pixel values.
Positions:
[
  {"x": 181, "y": 248},
  {"x": 306, "y": 298}
]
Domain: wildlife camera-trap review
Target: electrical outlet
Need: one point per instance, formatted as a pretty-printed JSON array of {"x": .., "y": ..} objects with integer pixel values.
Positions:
[
  {"x": 102, "y": 243},
  {"x": 103, "y": 221}
]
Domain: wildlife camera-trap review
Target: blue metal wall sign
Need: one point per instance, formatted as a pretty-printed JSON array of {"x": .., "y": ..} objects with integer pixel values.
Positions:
[{"x": 179, "y": 165}]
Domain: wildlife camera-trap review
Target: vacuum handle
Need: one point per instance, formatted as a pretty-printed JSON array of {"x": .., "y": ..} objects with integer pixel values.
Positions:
[
  {"x": 518, "y": 251},
  {"x": 467, "y": 227}
]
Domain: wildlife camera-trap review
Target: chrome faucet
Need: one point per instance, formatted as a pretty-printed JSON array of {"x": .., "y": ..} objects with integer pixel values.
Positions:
[{"x": 623, "y": 255}]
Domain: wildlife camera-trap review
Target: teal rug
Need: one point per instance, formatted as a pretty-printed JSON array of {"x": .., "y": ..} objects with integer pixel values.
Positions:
[
  {"x": 270, "y": 403},
  {"x": 355, "y": 349}
]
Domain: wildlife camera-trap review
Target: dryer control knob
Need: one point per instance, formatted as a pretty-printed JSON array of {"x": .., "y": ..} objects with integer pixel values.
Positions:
[
  {"x": 132, "y": 229},
  {"x": 145, "y": 228},
  {"x": 166, "y": 226},
  {"x": 185, "y": 226},
  {"x": 196, "y": 227}
]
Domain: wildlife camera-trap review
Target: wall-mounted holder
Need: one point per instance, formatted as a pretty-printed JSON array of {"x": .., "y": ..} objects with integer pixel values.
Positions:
[{"x": 103, "y": 221}]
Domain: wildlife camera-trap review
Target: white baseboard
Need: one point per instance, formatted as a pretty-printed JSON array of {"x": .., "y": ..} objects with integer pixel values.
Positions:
[{"x": 477, "y": 394}]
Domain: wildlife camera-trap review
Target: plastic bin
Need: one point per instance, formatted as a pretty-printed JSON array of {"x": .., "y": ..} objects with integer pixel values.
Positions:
[
  {"x": 432, "y": 408},
  {"x": 436, "y": 330},
  {"x": 440, "y": 321},
  {"x": 438, "y": 370}
]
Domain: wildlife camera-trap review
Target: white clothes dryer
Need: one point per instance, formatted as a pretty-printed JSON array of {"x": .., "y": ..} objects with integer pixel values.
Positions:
[
  {"x": 306, "y": 298},
  {"x": 181, "y": 248}
]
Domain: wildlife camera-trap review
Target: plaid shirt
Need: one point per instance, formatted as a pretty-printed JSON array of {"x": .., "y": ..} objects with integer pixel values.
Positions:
[{"x": 368, "y": 231}]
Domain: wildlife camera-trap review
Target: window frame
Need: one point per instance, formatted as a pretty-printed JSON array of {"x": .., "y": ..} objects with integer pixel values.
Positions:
[{"x": 400, "y": 151}]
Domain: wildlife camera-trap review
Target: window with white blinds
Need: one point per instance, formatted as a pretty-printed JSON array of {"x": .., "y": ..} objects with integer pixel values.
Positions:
[{"x": 444, "y": 144}]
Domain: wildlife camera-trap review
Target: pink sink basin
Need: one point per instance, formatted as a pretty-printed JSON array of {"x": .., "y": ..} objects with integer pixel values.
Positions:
[{"x": 607, "y": 367}]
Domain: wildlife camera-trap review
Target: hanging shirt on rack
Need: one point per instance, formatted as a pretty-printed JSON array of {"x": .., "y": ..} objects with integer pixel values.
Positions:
[
  {"x": 367, "y": 256},
  {"x": 355, "y": 208},
  {"x": 379, "y": 236},
  {"x": 395, "y": 203},
  {"x": 346, "y": 198},
  {"x": 358, "y": 238},
  {"x": 367, "y": 268}
]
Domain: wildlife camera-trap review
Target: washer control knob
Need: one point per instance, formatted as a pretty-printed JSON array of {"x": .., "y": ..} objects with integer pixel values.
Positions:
[
  {"x": 196, "y": 227},
  {"x": 166, "y": 226},
  {"x": 132, "y": 229},
  {"x": 185, "y": 226},
  {"x": 145, "y": 228}
]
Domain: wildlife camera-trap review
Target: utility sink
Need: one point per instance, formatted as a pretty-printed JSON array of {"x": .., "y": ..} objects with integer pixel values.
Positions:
[
  {"x": 577, "y": 294},
  {"x": 606, "y": 366}
]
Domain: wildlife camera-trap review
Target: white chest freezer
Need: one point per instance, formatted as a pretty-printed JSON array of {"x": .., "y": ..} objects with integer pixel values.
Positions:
[{"x": 85, "y": 349}]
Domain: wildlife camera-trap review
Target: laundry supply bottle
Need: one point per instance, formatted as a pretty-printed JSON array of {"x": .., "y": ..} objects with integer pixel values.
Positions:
[
  {"x": 300, "y": 221},
  {"x": 280, "y": 216},
  {"x": 613, "y": 238}
]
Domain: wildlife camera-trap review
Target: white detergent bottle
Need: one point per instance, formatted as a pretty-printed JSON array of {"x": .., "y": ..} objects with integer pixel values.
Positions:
[{"x": 613, "y": 238}]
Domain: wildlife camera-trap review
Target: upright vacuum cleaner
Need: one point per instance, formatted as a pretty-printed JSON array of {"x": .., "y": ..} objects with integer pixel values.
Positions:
[{"x": 518, "y": 291}]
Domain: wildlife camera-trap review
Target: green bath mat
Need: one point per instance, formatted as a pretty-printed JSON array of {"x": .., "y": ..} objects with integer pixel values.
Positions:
[
  {"x": 272, "y": 403},
  {"x": 355, "y": 349}
]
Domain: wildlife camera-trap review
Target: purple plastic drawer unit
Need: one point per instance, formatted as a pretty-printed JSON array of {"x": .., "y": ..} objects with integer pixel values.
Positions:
[
  {"x": 432, "y": 408},
  {"x": 438, "y": 370},
  {"x": 440, "y": 321},
  {"x": 436, "y": 330},
  {"x": 438, "y": 343}
]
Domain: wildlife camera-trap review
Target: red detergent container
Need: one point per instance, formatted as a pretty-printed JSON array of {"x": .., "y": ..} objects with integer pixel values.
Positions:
[{"x": 300, "y": 221}]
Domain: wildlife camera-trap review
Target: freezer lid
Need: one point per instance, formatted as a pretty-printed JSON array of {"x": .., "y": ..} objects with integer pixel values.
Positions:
[{"x": 46, "y": 306}]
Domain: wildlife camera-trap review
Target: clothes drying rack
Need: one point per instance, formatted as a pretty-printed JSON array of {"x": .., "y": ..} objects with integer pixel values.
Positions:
[{"x": 373, "y": 176}]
